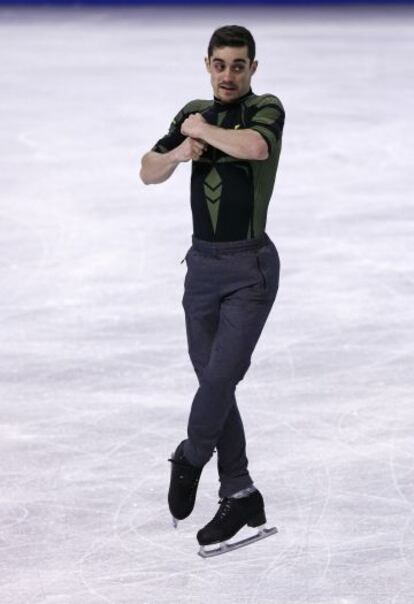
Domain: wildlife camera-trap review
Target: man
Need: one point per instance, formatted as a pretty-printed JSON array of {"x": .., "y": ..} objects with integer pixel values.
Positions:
[{"x": 234, "y": 142}]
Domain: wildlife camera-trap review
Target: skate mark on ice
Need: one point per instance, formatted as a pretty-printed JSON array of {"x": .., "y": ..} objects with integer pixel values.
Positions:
[
  {"x": 408, "y": 528},
  {"x": 116, "y": 522},
  {"x": 12, "y": 514},
  {"x": 310, "y": 525},
  {"x": 96, "y": 546},
  {"x": 20, "y": 284},
  {"x": 393, "y": 465},
  {"x": 35, "y": 146},
  {"x": 406, "y": 501},
  {"x": 358, "y": 423}
]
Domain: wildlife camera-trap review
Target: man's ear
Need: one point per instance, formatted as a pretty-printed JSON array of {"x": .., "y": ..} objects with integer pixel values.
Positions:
[
  {"x": 207, "y": 64},
  {"x": 254, "y": 66}
]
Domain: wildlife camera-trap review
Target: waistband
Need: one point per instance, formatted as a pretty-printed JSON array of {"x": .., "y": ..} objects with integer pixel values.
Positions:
[{"x": 229, "y": 247}]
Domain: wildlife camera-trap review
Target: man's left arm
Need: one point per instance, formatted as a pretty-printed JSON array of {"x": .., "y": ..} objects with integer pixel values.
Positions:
[{"x": 243, "y": 144}]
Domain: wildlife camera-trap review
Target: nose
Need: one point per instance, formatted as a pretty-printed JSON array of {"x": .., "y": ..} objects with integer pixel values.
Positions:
[{"x": 226, "y": 74}]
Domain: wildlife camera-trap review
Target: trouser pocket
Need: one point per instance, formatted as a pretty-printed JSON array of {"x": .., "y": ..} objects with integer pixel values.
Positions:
[
  {"x": 268, "y": 264},
  {"x": 261, "y": 268}
]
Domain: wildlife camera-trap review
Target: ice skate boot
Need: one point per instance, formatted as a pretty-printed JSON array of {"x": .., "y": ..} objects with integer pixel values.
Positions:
[
  {"x": 232, "y": 515},
  {"x": 183, "y": 485}
]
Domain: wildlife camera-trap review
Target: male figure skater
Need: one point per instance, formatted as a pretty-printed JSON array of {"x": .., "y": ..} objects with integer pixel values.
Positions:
[{"x": 234, "y": 142}]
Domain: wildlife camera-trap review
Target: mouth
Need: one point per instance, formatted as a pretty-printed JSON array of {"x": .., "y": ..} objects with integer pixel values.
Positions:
[{"x": 228, "y": 88}]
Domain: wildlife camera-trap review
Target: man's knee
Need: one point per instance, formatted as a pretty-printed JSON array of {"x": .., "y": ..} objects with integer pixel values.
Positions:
[{"x": 224, "y": 377}]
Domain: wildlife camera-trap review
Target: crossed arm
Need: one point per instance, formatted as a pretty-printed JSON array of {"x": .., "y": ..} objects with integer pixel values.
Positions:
[{"x": 243, "y": 144}]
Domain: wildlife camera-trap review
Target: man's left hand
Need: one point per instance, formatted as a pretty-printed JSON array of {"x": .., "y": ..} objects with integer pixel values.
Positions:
[{"x": 193, "y": 125}]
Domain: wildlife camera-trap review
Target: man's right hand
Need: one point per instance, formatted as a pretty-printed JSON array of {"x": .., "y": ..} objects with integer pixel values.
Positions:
[{"x": 190, "y": 148}]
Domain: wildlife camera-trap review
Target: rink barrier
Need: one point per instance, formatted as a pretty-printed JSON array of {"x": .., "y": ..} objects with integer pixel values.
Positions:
[{"x": 189, "y": 3}]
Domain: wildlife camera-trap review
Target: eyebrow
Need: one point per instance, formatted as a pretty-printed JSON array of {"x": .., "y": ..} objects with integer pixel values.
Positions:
[{"x": 235, "y": 60}]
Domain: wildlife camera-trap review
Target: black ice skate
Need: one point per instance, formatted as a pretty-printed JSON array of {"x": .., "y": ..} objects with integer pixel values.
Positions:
[
  {"x": 232, "y": 515},
  {"x": 183, "y": 485}
]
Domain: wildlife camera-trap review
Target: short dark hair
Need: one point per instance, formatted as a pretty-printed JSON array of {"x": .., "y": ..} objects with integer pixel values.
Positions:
[{"x": 232, "y": 35}]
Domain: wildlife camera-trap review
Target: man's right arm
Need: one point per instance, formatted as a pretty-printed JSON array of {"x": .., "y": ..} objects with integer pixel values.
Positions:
[{"x": 158, "y": 167}]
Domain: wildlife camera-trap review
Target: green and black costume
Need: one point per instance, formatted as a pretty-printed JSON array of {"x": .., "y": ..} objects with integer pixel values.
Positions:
[{"x": 230, "y": 196}]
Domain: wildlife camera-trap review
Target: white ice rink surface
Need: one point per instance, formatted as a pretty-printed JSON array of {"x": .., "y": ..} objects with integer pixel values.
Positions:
[{"x": 96, "y": 381}]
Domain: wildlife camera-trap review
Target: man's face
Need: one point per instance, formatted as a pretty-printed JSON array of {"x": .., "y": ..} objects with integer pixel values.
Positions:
[{"x": 230, "y": 72}]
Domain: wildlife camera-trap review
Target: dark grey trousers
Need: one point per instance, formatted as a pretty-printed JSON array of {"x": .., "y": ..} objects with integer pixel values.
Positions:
[{"x": 229, "y": 290}]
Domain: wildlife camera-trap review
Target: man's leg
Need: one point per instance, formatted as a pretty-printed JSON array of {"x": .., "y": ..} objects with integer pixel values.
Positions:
[
  {"x": 243, "y": 313},
  {"x": 231, "y": 446},
  {"x": 238, "y": 332},
  {"x": 202, "y": 314},
  {"x": 231, "y": 455}
]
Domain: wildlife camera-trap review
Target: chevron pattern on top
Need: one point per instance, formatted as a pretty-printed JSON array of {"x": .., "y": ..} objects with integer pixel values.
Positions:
[{"x": 213, "y": 187}]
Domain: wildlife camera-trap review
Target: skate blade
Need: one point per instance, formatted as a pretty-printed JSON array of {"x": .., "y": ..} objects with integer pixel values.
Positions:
[{"x": 225, "y": 547}]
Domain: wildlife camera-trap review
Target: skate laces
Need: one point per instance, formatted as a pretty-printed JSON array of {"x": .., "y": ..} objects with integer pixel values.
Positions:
[{"x": 225, "y": 508}]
